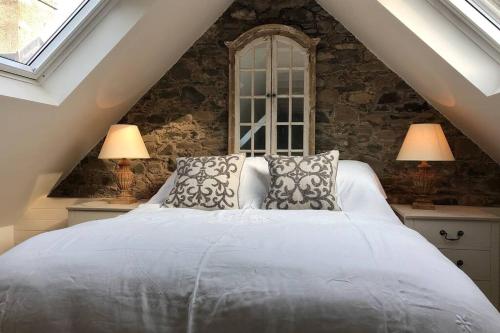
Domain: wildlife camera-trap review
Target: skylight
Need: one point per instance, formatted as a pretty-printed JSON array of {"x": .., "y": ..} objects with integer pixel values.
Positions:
[
  {"x": 28, "y": 25},
  {"x": 33, "y": 32},
  {"x": 489, "y": 9},
  {"x": 483, "y": 16}
]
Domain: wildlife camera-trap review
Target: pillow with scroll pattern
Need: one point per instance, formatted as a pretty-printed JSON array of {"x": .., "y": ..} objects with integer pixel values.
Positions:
[
  {"x": 302, "y": 182},
  {"x": 208, "y": 182}
]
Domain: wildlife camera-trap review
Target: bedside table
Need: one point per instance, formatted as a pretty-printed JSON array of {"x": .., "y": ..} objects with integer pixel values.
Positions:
[
  {"x": 468, "y": 236},
  {"x": 97, "y": 210}
]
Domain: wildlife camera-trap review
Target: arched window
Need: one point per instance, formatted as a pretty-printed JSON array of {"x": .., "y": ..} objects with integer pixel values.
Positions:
[{"x": 272, "y": 92}]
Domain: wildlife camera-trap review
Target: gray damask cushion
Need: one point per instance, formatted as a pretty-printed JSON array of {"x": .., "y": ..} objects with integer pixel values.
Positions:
[
  {"x": 209, "y": 182},
  {"x": 302, "y": 182}
]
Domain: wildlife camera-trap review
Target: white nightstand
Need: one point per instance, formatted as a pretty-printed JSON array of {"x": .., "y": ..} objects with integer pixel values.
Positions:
[
  {"x": 97, "y": 210},
  {"x": 468, "y": 236}
]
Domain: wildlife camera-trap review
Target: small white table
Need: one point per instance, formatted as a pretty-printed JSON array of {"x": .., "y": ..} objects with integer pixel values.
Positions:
[
  {"x": 468, "y": 236},
  {"x": 97, "y": 210}
]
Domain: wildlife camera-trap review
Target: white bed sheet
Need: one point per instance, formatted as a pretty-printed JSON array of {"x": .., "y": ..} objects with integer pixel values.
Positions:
[{"x": 183, "y": 270}]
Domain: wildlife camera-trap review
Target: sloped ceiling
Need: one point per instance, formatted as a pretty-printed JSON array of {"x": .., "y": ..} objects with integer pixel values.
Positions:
[
  {"x": 128, "y": 51},
  {"x": 434, "y": 57},
  {"x": 138, "y": 41}
]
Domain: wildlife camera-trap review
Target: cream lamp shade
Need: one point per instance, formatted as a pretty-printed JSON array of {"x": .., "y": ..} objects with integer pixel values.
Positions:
[
  {"x": 123, "y": 141},
  {"x": 425, "y": 142}
]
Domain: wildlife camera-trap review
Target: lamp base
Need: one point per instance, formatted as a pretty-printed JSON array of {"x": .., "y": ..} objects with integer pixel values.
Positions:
[
  {"x": 424, "y": 181},
  {"x": 124, "y": 179}
]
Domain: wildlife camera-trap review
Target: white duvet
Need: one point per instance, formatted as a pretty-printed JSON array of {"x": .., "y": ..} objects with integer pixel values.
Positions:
[{"x": 182, "y": 270}]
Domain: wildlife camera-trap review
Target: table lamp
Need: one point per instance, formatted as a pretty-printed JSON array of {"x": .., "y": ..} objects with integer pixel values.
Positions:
[
  {"x": 425, "y": 142},
  {"x": 123, "y": 142}
]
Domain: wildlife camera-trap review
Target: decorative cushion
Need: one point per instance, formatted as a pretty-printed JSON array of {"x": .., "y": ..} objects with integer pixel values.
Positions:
[
  {"x": 302, "y": 182},
  {"x": 209, "y": 182}
]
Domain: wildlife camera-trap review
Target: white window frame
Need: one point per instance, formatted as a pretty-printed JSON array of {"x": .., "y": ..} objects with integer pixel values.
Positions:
[
  {"x": 271, "y": 122},
  {"x": 305, "y": 96},
  {"x": 253, "y": 122},
  {"x": 244, "y": 41},
  {"x": 60, "y": 44},
  {"x": 476, "y": 23}
]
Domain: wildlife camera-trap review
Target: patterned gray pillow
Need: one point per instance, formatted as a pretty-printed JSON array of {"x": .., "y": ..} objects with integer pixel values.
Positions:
[
  {"x": 302, "y": 182},
  {"x": 209, "y": 182}
]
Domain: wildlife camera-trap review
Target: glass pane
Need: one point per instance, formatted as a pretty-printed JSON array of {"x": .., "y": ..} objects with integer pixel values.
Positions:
[
  {"x": 298, "y": 58},
  {"x": 298, "y": 109},
  {"x": 298, "y": 82},
  {"x": 245, "y": 83},
  {"x": 245, "y": 137},
  {"x": 260, "y": 138},
  {"x": 245, "y": 110},
  {"x": 248, "y": 154},
  {"x": 282, "y": 114},
  {"x": 259, "y": 154},
  {"x": 283, "y": 87},
  {"x": 282, "y": 136},
  {"x": 246, "y": 60},
  {"x": 26, "y": 26},
  {"x": 283, "y": 55},
  {"x": 297, "y": 136},
  {"x": 282, "y": 153},
  {"x": 260, "y": 110},
  {"x": 260, "y": 84},
  {"x": 261, "y": 56},
  {"x": 297, "y": 153}
]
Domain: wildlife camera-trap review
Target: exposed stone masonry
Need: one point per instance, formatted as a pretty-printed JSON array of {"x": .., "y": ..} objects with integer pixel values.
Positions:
[{"x": 363, "y": 109}]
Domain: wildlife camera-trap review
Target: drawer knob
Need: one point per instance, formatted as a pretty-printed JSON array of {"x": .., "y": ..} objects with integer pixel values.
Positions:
[
  {"x": 443, "y": 233},
  {"x": 460, "y": 263}
]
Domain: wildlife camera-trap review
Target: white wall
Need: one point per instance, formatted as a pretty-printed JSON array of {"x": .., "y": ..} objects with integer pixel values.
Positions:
[
  {"x": 128, "y": 51},
  {"x": 43, "y": 214}
]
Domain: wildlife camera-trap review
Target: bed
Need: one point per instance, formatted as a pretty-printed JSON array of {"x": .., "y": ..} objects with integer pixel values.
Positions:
[{"x": 244, "y": 270}]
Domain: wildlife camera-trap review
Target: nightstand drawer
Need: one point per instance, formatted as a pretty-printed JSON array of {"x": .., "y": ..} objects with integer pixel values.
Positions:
[
  {"x": 476, "y": 264},
  {"x": 478, "y": 247},
  {"x": 476, "y": 236},
  {"x": 97, "y": 210}
]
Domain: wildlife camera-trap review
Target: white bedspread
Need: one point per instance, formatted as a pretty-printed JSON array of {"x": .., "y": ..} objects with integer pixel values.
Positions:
[{"x": 181, "y": 270}]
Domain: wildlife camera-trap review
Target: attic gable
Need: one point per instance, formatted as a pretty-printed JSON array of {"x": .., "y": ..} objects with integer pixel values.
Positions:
[{"x": 363, "y": 109}]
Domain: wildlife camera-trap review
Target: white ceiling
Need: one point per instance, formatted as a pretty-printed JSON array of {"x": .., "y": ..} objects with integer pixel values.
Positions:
[{"x": 45, "y": 130}]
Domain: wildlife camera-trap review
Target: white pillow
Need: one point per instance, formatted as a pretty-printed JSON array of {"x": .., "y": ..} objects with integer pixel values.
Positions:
[
  {"x": 358, "y": 187},
  {"x": 254, "y": 182},
  {"x": 164, "y": 190},
  {"x": 359, "y": 173}
]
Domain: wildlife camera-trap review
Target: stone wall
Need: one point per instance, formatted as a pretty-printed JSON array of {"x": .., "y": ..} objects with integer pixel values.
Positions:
[{"x": 363, "y": 109}]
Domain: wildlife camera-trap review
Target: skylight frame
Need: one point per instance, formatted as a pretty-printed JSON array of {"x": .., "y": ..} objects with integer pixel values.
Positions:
[
  {"x": 485, "y": 11},
  {"x": 475, "y": 22},
  {"x": 66, "y": 37}
]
